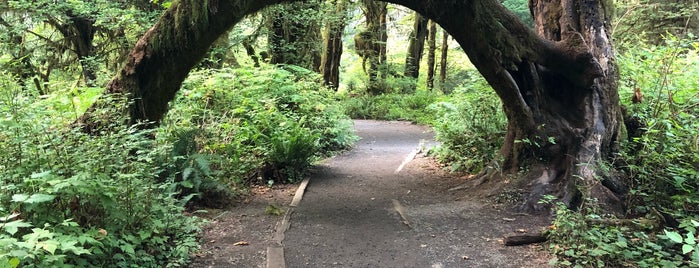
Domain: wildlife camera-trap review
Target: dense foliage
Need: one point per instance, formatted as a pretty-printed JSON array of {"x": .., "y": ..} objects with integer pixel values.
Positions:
[
  {"x": 72, "y": 199},
  {"x": 258, "y": 124}
]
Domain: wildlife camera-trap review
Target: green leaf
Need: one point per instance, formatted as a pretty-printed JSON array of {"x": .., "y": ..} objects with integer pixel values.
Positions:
[
  {"x": 687, "y": 248},
  {"x": 12, "y": 227},
  {"x": 40, "y": 198},
  {"x": 19, "y": 197},
  {"x": 674, "y": 236},
  {"x": 14, "y": 262},
  {"x": 50, "y": 246},
  {"x": 40, "y": 175}
]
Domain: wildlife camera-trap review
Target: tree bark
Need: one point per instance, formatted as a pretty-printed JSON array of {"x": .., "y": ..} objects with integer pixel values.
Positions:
[
  {"x": 332, "y": 49},
  {"x": 375, "y": 13},
  {"x": 558, "y": 88},
  {"x": 416, "y": 46},
  {"x": 443, "y": 62},
  {"x": 431, "y": 53}
]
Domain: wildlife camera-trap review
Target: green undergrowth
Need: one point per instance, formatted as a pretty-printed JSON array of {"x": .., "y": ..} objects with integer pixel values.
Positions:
[
  {"x": 255, "y": 125},
  {"x": 70, "y": 199},
  {"x": 470, "y": 126}
]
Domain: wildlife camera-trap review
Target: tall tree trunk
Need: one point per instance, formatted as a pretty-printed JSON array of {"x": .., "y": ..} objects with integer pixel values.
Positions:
[
  {"x": 559, "y": 89},
  {"x": 431, "y": 53},
  {"x": 416, "y": 46},
  {"x": 443, "y": 62},
  {"x": 332, "y": 39},
  {"x": 376, "y": 13}
]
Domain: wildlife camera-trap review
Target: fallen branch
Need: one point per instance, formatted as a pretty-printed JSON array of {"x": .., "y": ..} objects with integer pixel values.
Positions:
[{"x": 519, "y": 240}]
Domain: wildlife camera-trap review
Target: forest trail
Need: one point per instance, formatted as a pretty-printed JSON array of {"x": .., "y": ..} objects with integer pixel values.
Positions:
[{"x": 382, "y": 204}]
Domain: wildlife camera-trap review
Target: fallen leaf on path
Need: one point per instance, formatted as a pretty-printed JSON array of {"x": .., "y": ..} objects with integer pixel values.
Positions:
[{"x": 241, "y": 243}]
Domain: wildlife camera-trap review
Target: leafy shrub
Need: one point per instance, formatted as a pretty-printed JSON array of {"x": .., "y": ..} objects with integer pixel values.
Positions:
[
  {"x": 588, "y": 239},
  {"x": 664, "y": 161},
  {"x": 261, "y": 125},
  {"x": 470, "y": 126},
  {"x": 68, "y": 198}
]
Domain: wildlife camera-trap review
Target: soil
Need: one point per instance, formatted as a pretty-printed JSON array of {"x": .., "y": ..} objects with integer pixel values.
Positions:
[{"x": 382, "y": 204}]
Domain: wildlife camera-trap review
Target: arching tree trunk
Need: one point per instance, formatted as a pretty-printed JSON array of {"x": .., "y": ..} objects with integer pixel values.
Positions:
[
  {"x": 164, "y": 55},
  {"x": 558, "y": 88},
  {"x": 332, "y": 49}
]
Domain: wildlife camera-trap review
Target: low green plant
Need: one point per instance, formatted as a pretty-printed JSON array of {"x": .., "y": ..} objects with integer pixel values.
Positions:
[
  {"x": 470, "y": 126},
  {"x": 663, "y": 156},
  {"x": 590, "y": 239}
]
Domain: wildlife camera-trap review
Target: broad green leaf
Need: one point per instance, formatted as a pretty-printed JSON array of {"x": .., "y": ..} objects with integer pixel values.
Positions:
[
  {"x": 19, "y": 197},
  {"x": 687, "y": 248},
  {"x": 674, "y": 236},
  {"x": 12, "y": 227},
  {"x": 9, "y": 217},
  {"x": 14, "y": 262},
  {"x": 39, "y": 198},
  {"x": 50, "y": 246}
]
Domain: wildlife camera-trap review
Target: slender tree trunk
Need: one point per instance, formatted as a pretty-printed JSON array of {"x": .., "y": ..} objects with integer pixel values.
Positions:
[
  {"x": 443, "y": 62},
  {"x": 431, "y": 54},
  {"x": 332, "y": 39},
  {"x": 559, "y": 89},
  {"x": 416, "y": 46}
]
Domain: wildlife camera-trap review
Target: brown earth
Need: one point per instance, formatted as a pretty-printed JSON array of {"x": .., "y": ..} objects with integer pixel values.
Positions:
[{"x": 370, "y": 207}]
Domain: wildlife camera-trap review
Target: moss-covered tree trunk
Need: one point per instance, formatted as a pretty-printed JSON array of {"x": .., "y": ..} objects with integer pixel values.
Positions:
[
  {"x": 558, "y": 87},
  {"x": 80, "y": 33},
  {"x": 164, "y": 55},
  {"x": 376, "y": 13},
  {"x": 332, "y": 40}
]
